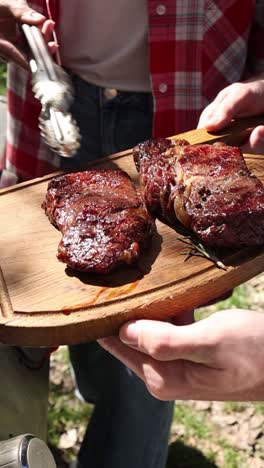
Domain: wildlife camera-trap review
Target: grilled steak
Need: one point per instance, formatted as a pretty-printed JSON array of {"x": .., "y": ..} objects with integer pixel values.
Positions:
[
  {"x": 206, "y": 188},
  {"x": 104, "y": 222}
]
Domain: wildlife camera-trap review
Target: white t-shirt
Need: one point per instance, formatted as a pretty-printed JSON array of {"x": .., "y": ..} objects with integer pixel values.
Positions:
[{"x": 106, "y": 42}]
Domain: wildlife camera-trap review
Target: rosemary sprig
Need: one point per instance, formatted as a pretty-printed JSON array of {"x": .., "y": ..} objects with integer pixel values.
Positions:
[{"x": 198, "y": 249}]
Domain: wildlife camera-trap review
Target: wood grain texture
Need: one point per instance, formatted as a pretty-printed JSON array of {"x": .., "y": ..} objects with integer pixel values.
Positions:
[{"x": 44, "y": 303}]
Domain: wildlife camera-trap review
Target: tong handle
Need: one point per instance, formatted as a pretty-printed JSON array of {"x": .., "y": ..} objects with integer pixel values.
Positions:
[
  {"x": 53, "y": 88},
  {"x": 40, "y": 51}
]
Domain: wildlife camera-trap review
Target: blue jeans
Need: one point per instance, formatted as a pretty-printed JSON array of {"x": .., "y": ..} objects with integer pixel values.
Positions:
[
  {"x": 108, "y": 126},
  {"x": 129, "y": 428}
]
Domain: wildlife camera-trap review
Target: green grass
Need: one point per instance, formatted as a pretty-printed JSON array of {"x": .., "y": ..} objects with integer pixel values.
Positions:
[
  {"x": 232, "y": 458},
  {"x": 2, "y": 78},
  {"x": 239, "y": 299},
  {"x": 259, "y": 406},
  {"x": 231, "y": 407},
  {"x": 234, "y": 406},
  {"x": 66, "y": 411},
  {"x": 194, "y": 424}
]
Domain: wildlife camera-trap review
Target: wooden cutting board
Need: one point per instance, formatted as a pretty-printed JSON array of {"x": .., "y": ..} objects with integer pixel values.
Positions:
[{"x": 44, "y": 303}]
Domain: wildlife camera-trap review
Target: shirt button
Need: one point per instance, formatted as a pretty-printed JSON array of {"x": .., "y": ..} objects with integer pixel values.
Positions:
[
  {"x": 161, "y": 9},
  {"x": 163, "y": 87}
]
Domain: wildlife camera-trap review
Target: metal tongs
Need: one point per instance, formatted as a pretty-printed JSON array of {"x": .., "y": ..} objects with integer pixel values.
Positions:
[{"x": 53, "y": 88}]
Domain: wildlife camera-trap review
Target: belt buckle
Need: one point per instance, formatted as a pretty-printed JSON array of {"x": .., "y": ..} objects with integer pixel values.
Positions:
[{"x": 110, "y": 93}]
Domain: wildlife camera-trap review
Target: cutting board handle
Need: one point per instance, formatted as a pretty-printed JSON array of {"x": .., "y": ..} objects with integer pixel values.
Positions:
[{"x": 234, "y": 134}]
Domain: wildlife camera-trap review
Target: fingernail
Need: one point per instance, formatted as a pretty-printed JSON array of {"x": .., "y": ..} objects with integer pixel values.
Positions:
[
  {"x": 35, "y": 14},
  {"x": 129, "y": 334},
  {"x": 32, "y": 15}
]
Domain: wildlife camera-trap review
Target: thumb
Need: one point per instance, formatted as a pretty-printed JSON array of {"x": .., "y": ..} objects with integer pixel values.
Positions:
[
  {"x": 22, "y": 12},
  {"x": 166, "y": 342},
  {"x": 255, "y": 143}
]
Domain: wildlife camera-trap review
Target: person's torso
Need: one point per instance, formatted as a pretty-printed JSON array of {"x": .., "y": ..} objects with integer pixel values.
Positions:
[{"x": 106, "y": 43}]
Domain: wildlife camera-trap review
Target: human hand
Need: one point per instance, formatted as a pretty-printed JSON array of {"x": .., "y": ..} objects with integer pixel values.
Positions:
[
  {"x": 13, "y": 13},
  {"x": 218, "y": 358},
  {"x": 238, "y": 100}
]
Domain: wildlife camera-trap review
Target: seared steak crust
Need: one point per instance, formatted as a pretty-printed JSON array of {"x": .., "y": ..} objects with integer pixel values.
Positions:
[
  {"x": 206, "y": 188},
  {"x": 155, "y": 161},
  {"x": 103, "y": 220}
]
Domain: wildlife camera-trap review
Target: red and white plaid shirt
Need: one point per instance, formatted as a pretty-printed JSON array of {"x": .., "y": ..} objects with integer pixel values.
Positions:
[{"x": 197, "y": 47}]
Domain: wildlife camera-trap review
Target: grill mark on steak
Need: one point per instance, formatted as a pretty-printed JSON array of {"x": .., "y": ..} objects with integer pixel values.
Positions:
[
  {"x": 103, "y": 220},
  {"x": 206, "y": 188}
]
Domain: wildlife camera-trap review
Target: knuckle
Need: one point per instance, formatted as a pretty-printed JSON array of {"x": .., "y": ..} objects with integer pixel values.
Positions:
[
  {"x": 235, "y": 86},
  {"x": 154, "y": 346},
  {"x": 156, "y": 350},
  {"x": 246, "y": 91},
  {"x": 241, "y": 91}
]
